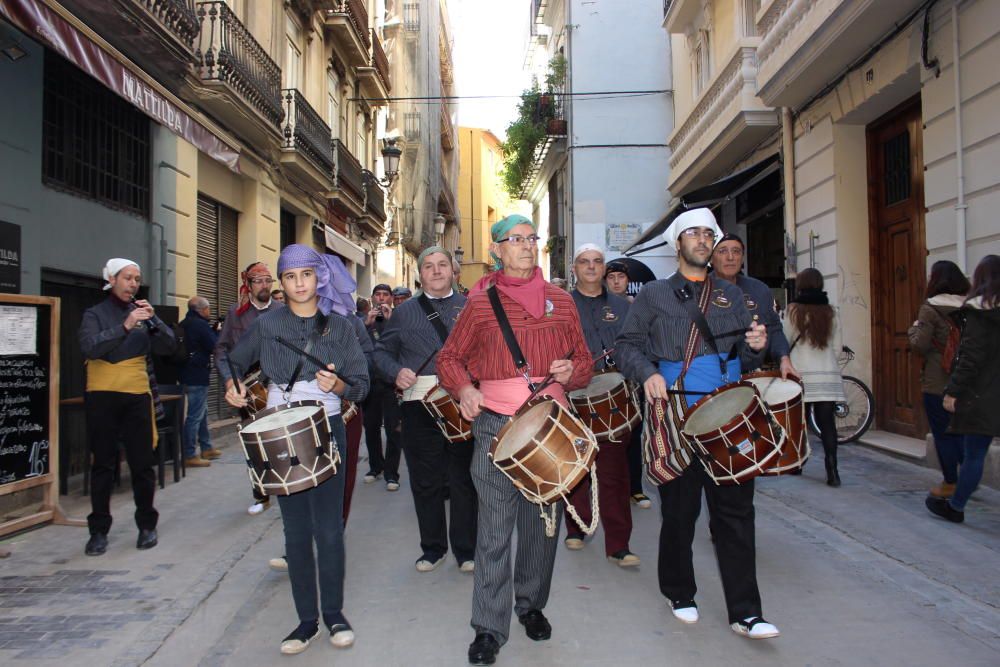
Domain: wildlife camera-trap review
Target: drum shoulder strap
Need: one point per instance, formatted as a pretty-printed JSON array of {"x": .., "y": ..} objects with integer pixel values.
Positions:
[
  {"x": 313, "y": 337},
  {"x": 697, "y": 315},
  {"x": 433, "y": 316},
  {"x": 520, "y": 363}
]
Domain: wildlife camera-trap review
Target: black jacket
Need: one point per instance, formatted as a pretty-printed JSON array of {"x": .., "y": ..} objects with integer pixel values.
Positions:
[
  {"x": 199, "y": 339},
  {"x": 975, "y": 375}
]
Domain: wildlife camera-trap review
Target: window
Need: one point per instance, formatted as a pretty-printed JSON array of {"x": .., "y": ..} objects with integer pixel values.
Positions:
[
  {"x": 748, "y": 17},
  {"x": 701, "y": 62},
  {"x": 293, "y": 54},
  {"x": 333, "y": 104},
  {"x": 362, "y": 145},
  {"x": 94, "y": 144}
]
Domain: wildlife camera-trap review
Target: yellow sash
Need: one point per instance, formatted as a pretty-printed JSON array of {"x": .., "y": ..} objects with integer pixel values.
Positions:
[{"x": 125, "y": 377}]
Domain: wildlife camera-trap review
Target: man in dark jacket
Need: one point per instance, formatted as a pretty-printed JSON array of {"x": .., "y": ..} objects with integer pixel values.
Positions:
[{"x": 200, "y": 340}]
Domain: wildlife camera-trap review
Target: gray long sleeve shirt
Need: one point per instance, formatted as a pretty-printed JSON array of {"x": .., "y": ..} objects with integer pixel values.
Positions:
[
  {"x": 233, "y": 329},
  {"x": 759, "y": 301},
  {"x": 409, "y": 337},
  {"x": 102, "y": 333},
  {"x": 601, "y": 318},
  {"x": 657, "y": 326},
  {"x": 337, "y": 345}
]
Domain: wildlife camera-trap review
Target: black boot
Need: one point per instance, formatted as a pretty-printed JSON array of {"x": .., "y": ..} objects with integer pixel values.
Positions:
[{"x": 832, "y": 476}]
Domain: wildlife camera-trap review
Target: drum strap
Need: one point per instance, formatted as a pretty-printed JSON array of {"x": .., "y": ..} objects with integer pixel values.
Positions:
[
  {"x": 313, "y": 337},
  {"x": 520, "y": 363},
  {"x": 433, "y": 316},
  {"x": 697, "y": 314}
]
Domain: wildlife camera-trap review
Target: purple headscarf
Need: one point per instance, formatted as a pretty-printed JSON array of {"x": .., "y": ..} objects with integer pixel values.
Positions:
[{"x": 334, "y": 284}]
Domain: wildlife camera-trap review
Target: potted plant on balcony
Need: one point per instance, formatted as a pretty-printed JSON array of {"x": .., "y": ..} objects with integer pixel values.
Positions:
[
  {"x": 555, "y": 81},
  {"x": 523, "y": 136}
]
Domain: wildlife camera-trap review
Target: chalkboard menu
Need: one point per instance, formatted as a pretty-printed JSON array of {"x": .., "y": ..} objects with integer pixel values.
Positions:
[{"x": 25, "y": 384}]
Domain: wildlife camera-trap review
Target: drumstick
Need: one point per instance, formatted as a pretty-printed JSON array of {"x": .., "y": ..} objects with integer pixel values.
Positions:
[
  {"x": 545, "y": 383},
  {"x": 232, "y": 370},
  {"x": 399, "y": 392},
  {"x": 316, "y": 360}
]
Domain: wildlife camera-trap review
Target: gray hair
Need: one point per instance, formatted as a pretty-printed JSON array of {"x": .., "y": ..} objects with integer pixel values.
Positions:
[{"x": 198, "y": 302}]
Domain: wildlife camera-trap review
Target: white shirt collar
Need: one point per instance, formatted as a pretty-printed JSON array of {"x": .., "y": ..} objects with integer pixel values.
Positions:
[
  {"x": 253, "y": 302},
  {"x": 439, "y": 298}
]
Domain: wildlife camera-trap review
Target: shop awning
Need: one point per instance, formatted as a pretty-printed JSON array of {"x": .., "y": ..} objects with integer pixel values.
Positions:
[
  {"x": 342, "y": 245},
  {"x": 710, "y": 196}
]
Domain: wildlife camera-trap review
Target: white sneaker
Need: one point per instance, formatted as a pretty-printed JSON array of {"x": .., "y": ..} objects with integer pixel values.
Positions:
[
  {"x": 755, "y": 627},
  {"x": 257, "y": 508},
  {"x": 467, "y": 566},
  {"x": 426, "y": 564},
  {"x": 688, "y": 614},
  {"x": 573, "y": 543},
  {"x": 371, "y": 477},
  {"x": 298, "y": 641},
  {"x": 392, "y": 485},
  {"x": 278, "y": 564},
  {"x": 341, "y": 637}
]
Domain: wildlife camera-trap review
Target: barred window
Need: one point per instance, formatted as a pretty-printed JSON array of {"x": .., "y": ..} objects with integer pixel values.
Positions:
[{"x": 95, "y": 144}]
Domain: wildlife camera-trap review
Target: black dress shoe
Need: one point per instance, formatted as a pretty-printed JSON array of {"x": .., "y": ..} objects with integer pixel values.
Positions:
[
  {"x": 483, "y": 650},
  {"x": 943, "y": 509},
  {"x": 536, "y": 626},
  {"x": 147, "y": 539},
  {"x": 96, "y": 545}
]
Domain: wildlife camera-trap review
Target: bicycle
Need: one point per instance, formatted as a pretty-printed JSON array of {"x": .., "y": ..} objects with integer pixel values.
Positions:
[{"x": 853, "y": 416}]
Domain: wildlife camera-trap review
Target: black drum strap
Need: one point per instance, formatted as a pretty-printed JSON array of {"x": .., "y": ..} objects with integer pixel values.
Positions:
[
  {"x": 313, "y": 337},
  {"x": 520, "y": 363},
  {"x": 433, "y": 316},
  {"x": 697, "y": 314}
]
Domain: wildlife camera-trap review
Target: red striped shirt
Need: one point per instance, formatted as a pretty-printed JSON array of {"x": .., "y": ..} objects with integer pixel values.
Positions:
[{"x": 475, "y": 349}]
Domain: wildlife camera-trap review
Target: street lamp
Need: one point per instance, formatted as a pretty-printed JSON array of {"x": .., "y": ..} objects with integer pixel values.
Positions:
[
  {"x": 390, "y": 163},
  {"x": 459, "y": 254},
  {"x": 439, "y": 223}
]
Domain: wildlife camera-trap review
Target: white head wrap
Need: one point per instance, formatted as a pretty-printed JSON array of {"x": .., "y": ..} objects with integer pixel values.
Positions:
[
  {"x": 586, "y": 247},
  {"x": 112, "y": 268},
  {"x": 696, "y": 217}
]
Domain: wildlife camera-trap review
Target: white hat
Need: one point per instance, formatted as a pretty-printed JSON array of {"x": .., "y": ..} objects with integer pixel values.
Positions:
[
  {"x": 586, "y": 247},
  {"x": 112, "y": 268},
  {"x": 696, "y": 217}
]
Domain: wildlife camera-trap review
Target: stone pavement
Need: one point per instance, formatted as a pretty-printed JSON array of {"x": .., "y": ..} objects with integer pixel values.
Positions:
[{"x": 856, "y": 575}]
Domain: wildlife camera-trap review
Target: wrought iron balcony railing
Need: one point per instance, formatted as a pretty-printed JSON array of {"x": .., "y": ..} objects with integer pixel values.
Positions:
[
  {"x": 228, "y": 53},
  {"x": 379, "y": 61},
  {"x": 447, "y": 129},
  {"x": 349, "y": 171},
  {"x": 358, "y": 13},
  {"x": 305, "y": 131},
  {"x": 177, "y": 15}
]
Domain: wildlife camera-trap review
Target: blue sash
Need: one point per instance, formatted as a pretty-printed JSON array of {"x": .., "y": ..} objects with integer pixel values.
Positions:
[{"x": 702, "y": 376}]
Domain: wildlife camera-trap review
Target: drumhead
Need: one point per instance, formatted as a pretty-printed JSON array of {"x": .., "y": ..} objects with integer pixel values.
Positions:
[
  {"x": 282, "y": 418},
  {"x": 718, "y": 410},
  {"x": 435, "y": 393},
  {"x": 601, "y": 383},
  {"x": 776, "y": 390},
  {"x": 520, "y": 431}
]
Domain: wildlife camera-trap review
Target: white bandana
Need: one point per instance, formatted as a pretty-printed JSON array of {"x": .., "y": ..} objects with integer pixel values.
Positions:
[
  {"x": 696, "y": 217},
  {"x": 112, "y": 268}
]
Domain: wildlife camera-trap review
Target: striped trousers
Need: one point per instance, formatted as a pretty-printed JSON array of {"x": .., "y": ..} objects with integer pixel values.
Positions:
[{"x": 501, "y": 507}]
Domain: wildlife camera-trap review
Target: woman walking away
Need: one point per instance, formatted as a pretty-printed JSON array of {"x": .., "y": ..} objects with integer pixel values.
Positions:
[
  {"x": 973, "y": 391},
  {"x": 812, "y": 324},
  {"x": 929, "y": 337}
]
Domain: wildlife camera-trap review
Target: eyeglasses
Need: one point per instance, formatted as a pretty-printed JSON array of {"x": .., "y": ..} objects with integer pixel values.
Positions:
[
  {"x": 517, "y": 239},
  {"x": 695, "y": 232},
  {"x": 262, "y": 281},
  {"x": 731, "y": 252}
]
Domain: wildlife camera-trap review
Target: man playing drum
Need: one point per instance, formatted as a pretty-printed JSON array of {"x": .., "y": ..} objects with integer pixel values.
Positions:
[
  {"x": 254, "y": 300},
  {"x": 406, "y": 351},
  {"x": 601, "y": 316},
  {"x": 314, "y": 287},
  {"x": 727, "y": 262},
  {"x": 651, "y": 350},
  {"x": 547, "y": 329}
]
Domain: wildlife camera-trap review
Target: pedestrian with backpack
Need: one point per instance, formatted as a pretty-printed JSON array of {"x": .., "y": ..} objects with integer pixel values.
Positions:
[
  {"x": 934, "y": 336},
  {"x": 199, "y": 341}
]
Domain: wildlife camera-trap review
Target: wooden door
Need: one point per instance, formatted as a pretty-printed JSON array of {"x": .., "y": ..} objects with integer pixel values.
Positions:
[{"x": 898, "y": 260}]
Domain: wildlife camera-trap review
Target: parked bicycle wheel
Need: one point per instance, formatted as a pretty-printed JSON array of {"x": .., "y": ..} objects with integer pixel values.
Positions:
[{"x": 853, "y": 416}]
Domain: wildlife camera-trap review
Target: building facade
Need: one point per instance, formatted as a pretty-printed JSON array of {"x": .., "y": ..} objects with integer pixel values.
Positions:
[
  {"x": 194, "y": 137},
  {"x": 854, "y": 136},
  {"x": 423, "y": 208},
  {"x": 599, "y": 175}
]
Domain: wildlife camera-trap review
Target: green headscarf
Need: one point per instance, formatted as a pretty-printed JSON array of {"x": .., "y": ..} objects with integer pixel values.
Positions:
[
  {"x": 501, "y": 228},
  {"x": 430, "y": 251}
]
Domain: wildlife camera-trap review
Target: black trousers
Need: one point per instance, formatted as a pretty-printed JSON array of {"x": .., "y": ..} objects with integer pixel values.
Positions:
[
  {"x": 436, "y": 464},
  {"x": 113, "y": 418},
  {"x": 635, "y": 454},
  {"x": 381, "y": 409},
  {"x": 731, "y": 520}
]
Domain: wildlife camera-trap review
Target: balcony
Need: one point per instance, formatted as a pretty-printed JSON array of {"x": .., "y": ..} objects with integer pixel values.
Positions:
[
  {"x": 447, "y": 129},
  {"x": 374, "y": 78},
  {"x": 347, "y": 21},
  {"x": 804, "y": 45},
  {"x": 727, "y": 121},
  {"x": 158, "y": 35},
  {"x": 306, "y": 149},
  {"x": 241, "y": 85},
  {"x": 349, "y": 181}
]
